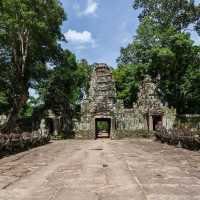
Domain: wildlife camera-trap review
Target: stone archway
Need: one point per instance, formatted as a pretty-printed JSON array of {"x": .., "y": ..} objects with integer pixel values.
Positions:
[
  {"x": 50, "y": 125},
  {"x": 156, "y": 120},
  {"x": 102, "y": 128}
]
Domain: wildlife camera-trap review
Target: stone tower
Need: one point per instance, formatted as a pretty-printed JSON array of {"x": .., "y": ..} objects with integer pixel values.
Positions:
[
  {"x": 100, "y": 104},
  {"x": 102, "y": 92}
]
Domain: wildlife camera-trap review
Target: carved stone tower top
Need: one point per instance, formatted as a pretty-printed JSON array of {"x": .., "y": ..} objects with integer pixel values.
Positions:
[{"x": 102, "y": 91}]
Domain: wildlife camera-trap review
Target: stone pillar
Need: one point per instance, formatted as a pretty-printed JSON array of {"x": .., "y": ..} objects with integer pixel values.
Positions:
[
  {"x": 92, "y": 128},
  {"x": 164, "y": 121},
  {"x": 146, "y": 121},
  {"x": 112, "y": 131},
  {"x": 151, "y": 123}
]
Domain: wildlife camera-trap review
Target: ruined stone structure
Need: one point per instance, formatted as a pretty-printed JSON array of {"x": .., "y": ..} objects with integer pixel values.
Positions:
[
  {"x": 146, "y": 114},
  {"x": 103, "y": 105}
]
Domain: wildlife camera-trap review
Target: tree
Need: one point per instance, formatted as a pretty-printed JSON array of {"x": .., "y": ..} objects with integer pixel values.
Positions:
[
  {"x": 177, "y": 13},
  {"x": 29, "y": 31},
  {"x": 166, "y": 51},
  {"x": 147, "y": 36},
  {"x": 84, "y": 73},
  {"x": 61, "y": 84},
  {"x": 175, "y": 63},
  {"x": 191, "y": 88},
  {"x": 127, "y": 80},
  {"x": 69, "y": 79},
  {"x": 61, "y": 91}
]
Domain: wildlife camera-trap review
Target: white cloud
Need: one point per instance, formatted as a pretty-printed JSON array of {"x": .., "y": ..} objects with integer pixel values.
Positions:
[
  {"x": 79, "y": 39},
  {"x": 90, "y": 9}
]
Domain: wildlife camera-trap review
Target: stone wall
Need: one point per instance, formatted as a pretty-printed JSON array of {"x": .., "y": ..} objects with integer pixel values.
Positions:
[{"x": 128, "y": 119}]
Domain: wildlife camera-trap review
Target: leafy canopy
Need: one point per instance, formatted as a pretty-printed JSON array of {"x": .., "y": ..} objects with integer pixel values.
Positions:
[
  {"x": 29, "y": 34},
  {"x": 163, "y": 50}
]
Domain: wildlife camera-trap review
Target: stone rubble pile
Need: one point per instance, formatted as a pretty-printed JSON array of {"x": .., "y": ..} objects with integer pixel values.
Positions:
[
  {"x": 181, "y": 137},
  {"x": 12, "y": 143}
]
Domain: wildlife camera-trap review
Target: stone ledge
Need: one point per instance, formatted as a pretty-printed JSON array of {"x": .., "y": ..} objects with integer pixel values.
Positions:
[
  {"x": 120, "y": 134},
  {"x": 84, "y": 135}
]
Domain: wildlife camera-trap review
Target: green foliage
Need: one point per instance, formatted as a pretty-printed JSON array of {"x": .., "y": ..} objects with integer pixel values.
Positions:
[
  {"x": 28, "y": 109},
  {"x": 127, "y": 81},
  {"x": 103, "y": 126},
  {"x": 84, "y": 73},
  {"x": 138, "y": 51},
  {"x": 163, "y": 50},
  {"x": 175, "y": 65},
  {"x": 61, "y": 85},
  {"x": 62, "y": 90},
  {"x": 29, "y": 31},
  {"x": 176, "y": 13},
  {"x": 4, "y": 105}
]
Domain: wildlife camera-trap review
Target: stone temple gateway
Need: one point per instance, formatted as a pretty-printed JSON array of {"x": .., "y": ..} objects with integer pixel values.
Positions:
[{"x": 102, "y": 106}]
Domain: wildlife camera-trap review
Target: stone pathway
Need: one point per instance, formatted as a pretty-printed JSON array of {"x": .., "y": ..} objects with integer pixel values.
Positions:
[{"x": 101, "y": 170}]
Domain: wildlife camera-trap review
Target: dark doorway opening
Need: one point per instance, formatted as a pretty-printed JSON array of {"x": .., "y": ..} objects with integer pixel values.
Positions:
[
  {"x": 102, "y": 128},
  {"x": 50, "y": 125},
  {"x": 157, "y": 120}
]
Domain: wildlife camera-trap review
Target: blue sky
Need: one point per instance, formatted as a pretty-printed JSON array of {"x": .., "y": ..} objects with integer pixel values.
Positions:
[{"x": 97, "y": 29}]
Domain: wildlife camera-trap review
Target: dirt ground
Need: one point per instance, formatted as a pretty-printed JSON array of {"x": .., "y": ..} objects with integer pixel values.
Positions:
[{"x": 135, "y": 169}]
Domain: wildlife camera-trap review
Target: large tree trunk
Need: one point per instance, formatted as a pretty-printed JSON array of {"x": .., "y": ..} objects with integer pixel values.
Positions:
[
  {"x": 20, "y": 82},
  {"x": 18, "y": 104}
]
